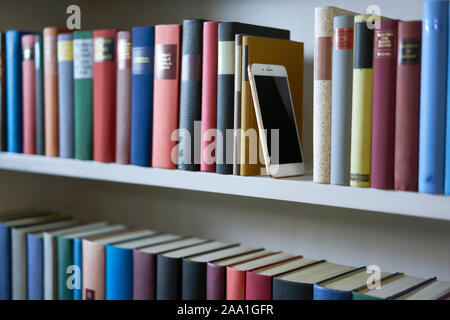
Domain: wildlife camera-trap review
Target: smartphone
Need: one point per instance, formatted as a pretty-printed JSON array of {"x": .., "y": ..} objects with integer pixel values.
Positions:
[{"x": 275, "y": 116}]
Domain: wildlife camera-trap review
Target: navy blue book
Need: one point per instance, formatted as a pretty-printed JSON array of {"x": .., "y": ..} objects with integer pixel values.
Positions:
[
  {"x": 143, "y": 43},
  {"x": 35, "y": 266},
  {"x": 14, "y": 91}
]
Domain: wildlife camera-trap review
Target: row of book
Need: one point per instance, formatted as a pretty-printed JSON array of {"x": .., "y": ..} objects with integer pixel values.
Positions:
[
  {"x": 170, "y": 96},
  {"x": 50, "y": 256},
  {"x": 381, "y": 115}
]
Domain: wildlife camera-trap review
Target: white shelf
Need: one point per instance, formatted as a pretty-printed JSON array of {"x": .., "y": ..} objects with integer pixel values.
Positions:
[{"x": 301, "y": 190}]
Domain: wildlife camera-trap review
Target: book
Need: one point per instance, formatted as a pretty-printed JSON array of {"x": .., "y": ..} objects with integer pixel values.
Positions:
[
  {"x": 93, "y": 256},
  {"x": 391, "y": 288},
  {"x": 407, "y": 106},
  {"x": 104, "y": 97},
  {"x": 341, "y": 99},
  {"x": 82, "y": 94},
  {"x": 238, "y": 70},
  {"x": 123, "y": 96},
  {"x": 65, "y": 95},
  {"x": 340, "y": 287},
  {"x": 166, "y": 95},
  {"x": 361, "y": 103},
  {"x": 209, "y": 97},
  {"x": 28, "y": 94},
  {"x": 19, "y": 253},
  {"x": 51, "y": 90},
  {"x": 299, "y": 284},
  {"x": 433, "y": 290},
  {"x": 433, "y": 95},
  {"x": 72, "y": 243},
  {"x": 35, "y": 268},
  {"x": 383, "y": 105},
  {"x": 119, "y": 265},
  {"x": 2, "y": 93},
  {"x": 282, "y": 52},
  {"x": 190, "y": 96},
  {"x": 14, "y": 91},
  {"x": 169, "y": 268},
  {"x": 226, "y": 85},
  {"x": 194, "y": 270},
  {"x": 322, "y": 91},
  {"x": 236, "y": 273},
  {"x": 142, "y": 46},
  {"x": 216, "y": 273},
  {"x": 39, "y": 94},
  {"x": 258, "y": 284},
  {"x": 144, "y": 265}
]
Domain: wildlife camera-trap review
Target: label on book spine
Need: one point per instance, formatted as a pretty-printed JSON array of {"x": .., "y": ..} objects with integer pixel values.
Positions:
[
  {"x": 142, "y": 60},
  {"x": 65, "y": 50},
  {"x": 37, "y": 56},
  {"x": 166, "y": 61},
  {"x": 409, "y": 51},
  {"x": 28, "y": 54},
  {"x": 104, "y": 49},
  {"x": 123, "y": 54},
  {"x": 82, "y": 64},
  {"x": 384, "y": 43},
  {"x": 226, "y": 57},
  {"x": 343, "y": 39},
  {"x": 194, "y": 70}
]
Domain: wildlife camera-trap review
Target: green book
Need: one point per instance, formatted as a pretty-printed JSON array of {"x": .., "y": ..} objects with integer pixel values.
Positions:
[{"x": 82, "y": 93}]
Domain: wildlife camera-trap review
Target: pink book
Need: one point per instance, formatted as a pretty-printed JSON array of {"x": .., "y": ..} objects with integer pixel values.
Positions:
[
  {"x": 209, "y": 96},
  {"x": 28, "y": 91}
]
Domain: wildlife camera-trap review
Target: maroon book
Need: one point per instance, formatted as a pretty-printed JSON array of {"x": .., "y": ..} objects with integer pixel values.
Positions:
[
  {"x": 383, "y": 112},
  {"x": 407, "y": 106},
  {"x": 143, "y": 275}
]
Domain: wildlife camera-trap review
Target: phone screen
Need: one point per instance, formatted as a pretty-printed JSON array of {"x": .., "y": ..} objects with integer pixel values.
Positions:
[{"x": 277, "y": 113}]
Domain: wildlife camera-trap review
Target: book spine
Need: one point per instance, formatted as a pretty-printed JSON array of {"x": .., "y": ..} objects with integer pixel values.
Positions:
[
  {"x": 215, "y": 282},
  {"x": 14, "y": 91},
  {"x": 209, "y": 96},
  {"x": 168, "y": 278},
  {"x": 289, "y": 290},
  {"x": 383, "y": 109},
  {"x": 93, "y": 271},
  {"x": 28, "y": 95},
  {"x": 322, "y": 293},
  {"x": 193, "y": 280},
  {"x": 433, "y": 96},
  {"x": 190, "y": 96},
  {"x": 123, "y": 117},
  {"x": 78, "y": 265},
  {"x": 235, "y": 280},
  {"x": 5, "y": 262},
  {"x": 361, "y": 103},
  {"x": 166, "y": 95},
  {"x": 104, "y": 95},
  {"x": 51, "y": 92},
  {"x": 35, "y": 270},
  {"x": 50, "y": 269},
  {"x": 2, "y": 94},
  {"x": 39, "y": 95},
  {"x": 144, "y": 275},
  {"x": 447, "y": 135},
  {"x": 65, "y": 269},
  {"x": 406, "y": 163},
  {"x": 82, "y": 94},
  {"x": 238, "y": 70},
  {"x": 65, "y": 94},
  {"x": 119, "y": 273},
  {"x": 258, "y": 287},
  {"x": 143, "y": 43},
  {"x": 341, "y": 100},
  {"x": 19, "y": 265}
]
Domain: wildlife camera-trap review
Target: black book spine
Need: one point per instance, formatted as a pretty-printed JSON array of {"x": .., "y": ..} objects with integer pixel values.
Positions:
[
  {"x": 289, "y": 290},
  {"x": 193, "y": 280},
  {"x": 2, "y": 94},
  {"x": 168, "y": 278},
  {"x": 190, "y": 96}
]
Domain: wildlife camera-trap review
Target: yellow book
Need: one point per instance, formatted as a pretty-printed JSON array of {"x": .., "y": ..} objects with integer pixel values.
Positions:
[{"x": 267, "y": 51}]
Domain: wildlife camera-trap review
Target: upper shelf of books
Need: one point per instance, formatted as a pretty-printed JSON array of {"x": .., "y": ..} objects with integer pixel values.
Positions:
[{"x": 299, "y": 190}]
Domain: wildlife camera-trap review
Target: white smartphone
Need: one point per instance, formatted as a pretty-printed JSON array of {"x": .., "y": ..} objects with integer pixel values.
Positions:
[{"x": 275, "y": 116}]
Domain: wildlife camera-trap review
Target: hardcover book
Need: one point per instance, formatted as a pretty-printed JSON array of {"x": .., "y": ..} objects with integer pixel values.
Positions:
[
  {"x": 28, "y": 94},
  {"x": 166, "y": 95},
  {"x": 39, "y": 94},
  {"x": 35, "y": 267},
  {"x": 143, "y": 47},
  {"x": 2, "y": 93},
  {"x": 82, "y": 94},
  {"x": 406, "y": 162},
  {"x": 226, "y": 84},
  {"x": 104, "y": 86},
  {"x": 238, "y": 70},
  {"x": 123, "y": 116},
  {"x": 433, "y": 290}
]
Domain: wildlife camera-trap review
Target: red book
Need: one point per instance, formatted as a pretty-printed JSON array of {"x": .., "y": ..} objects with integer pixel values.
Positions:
[
  {"x": 29, "y": 98},
  {"x": 209, "y": 96},
  {"x": 166, "y": 94},
  {"x": 383, "y": 112},
  {"x": 105, "y": 42},
  {"x": 407, "y": 106}
]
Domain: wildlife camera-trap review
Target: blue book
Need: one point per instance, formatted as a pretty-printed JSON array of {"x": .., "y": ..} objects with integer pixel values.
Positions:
[
  {"x": 65, "y": 95},
  {"x": 433, "y": 95},
  {"x": 35, "y": 266},
  {"x": 322, "y": 292},
  {"x": 14, "y": 91},
  {"x": 447, "y": 136},
  {"x": 143, "y": 42}
]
